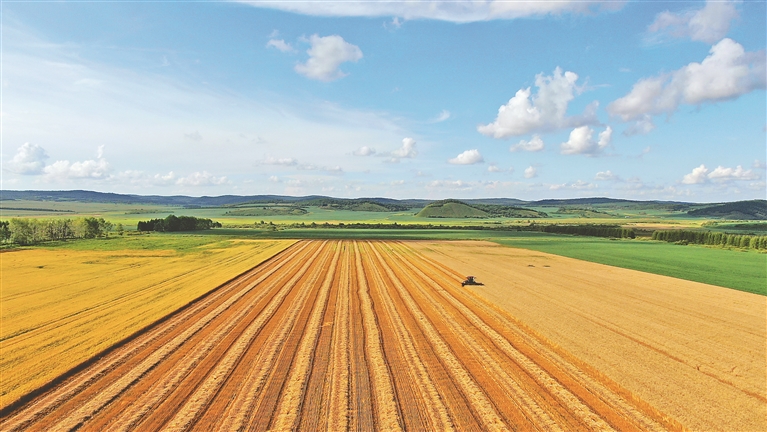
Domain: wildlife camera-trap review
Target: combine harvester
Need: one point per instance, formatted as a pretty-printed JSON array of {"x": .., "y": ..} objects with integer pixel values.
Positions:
[{"x": 470, "y": 281}]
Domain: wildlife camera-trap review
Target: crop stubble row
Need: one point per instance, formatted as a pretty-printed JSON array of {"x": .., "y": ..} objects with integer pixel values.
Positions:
[{"x": 338, "y": 336}]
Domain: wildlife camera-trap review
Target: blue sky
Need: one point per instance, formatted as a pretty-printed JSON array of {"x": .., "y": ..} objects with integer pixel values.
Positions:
[{"x": 530, "y": 100}]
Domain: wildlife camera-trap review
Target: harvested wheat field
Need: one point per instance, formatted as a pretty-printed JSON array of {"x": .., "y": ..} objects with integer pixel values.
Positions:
[
  {"x": 695, "y": 352},
  {"x": 59, "y": 308},
  {"x": 337, "y": 336}
]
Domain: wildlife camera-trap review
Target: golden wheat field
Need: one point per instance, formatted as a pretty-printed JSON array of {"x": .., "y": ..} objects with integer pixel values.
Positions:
[
  {"x": 338, "y": 335},
  {"x": 62, "y": 307},
  {"x": 380, "y": 335},
  {"x": 696, "y": 352}
]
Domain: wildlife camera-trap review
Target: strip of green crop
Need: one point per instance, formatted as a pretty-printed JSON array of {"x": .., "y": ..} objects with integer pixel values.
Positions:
[{"x": 736, "y": 269}]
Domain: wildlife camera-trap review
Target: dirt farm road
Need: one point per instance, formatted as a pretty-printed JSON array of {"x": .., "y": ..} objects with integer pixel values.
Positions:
[{"x": 339, "y": 335}]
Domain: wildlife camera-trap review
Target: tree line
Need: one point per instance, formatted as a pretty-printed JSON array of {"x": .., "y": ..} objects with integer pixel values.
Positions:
[
  {"x": 177, "y": 223},
  {"x": 393, "y": 225},
  {"x": 711, "y": 238},
  {"x": 612, "y": 231},
  {"x": 24, "y": 231}
]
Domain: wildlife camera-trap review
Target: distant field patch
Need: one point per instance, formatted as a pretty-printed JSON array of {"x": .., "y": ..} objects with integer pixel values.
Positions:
[
  {"x": 741, "y": 270},
  {"x": 268, "y": 211},
  {"x": 583, "y": 212},
  {"x": 61, "y": 305}
]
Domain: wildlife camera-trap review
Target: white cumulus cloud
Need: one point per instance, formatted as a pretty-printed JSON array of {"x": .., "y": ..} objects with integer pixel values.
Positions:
[
  {"x": 280, "y": 161},
  {"x": 727, "y": 73},
  {"x": 98, "y": 169},
  {"x": 163, "y": 180},
  {"x": 449, "y": 184},
  {"x": 364, "y": 151},
  {"x": 606, "y": 175},
  {"x": 469, "y": 157},
  {"x": 201, "y": 179},
  {"x": 709, "y": 24},
  {"x": 534, "y": 145},
  {"x": 325, "y": 57},
  {"x": 578, "y": 185},
  {"x": 140, "y": 178},
  {"x": 697, "y": 176},
  {"x": 581, "y": 141},
  {"x": 720, "y": 174},
  {"x": 407, "y": 151},
  {"x": 328, "y": 169},
  {"x": 545, "y": 111},
  {"x": 280, "y": 44},
  {"x": 63, "y": 169},
  {"x": 531, "y": 172},
  {"x": 29, "y": 159}
]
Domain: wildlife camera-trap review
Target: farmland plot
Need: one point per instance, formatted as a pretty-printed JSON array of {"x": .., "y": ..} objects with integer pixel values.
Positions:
[
  {"x": 61, "y": 307},
  {"x": 339, "y": 336},
  {"x": 696, "y": 352}
]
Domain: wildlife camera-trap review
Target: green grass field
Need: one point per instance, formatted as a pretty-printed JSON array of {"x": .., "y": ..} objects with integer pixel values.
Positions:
[{"x": 744, "y": 271}]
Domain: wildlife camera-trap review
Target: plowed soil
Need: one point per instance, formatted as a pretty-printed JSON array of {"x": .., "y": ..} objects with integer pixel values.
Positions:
[{"x": 341, "y": 335}]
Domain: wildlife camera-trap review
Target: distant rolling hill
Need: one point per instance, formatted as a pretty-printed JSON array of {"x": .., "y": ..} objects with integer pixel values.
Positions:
[
  {"x": 739, "y": 210},
  {"x": 451, "y": 209},
  {"x": 362, "y": 204},
  {"x": 478, "y": 207},
  {"x": 459, "y": 209},
  {"x": 356, "y": 204}
]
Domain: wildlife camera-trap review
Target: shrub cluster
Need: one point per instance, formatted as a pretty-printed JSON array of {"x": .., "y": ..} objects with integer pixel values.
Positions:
[
  {"x": 24, "y": 231},
  {"x": 177, "y": 223},
  {"x": 711, "y": 238}
]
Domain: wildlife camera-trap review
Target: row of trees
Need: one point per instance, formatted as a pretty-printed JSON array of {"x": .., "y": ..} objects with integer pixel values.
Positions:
[
  {"x": 31, "y": 231},
  {"x": 613, "y": 231},
  {"x": 711, "y": 238},
  {"x": 178, "y": 223}
]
